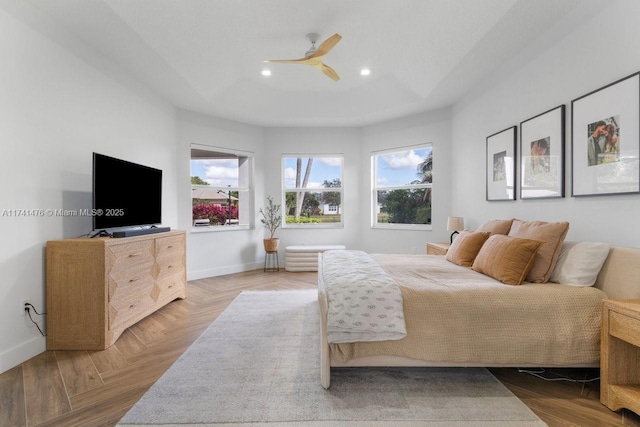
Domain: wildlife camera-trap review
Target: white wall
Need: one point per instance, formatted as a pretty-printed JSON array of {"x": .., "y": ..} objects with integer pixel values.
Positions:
[
  {"x": 433, "y": 127},
  {"x": 601, "y": 49},
  {"x": 212, "y": 253},
  {"x": 357, "y": 145},
  {"x": 59, "y": 103},
  {"x": 338, "y": 141}
]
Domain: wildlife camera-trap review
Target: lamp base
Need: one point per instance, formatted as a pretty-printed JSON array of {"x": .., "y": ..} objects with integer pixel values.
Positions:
[{"x": 455, "y": 232}]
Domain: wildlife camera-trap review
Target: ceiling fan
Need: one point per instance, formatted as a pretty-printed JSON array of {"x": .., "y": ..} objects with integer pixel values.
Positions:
[{"x": 313, "y": 56}]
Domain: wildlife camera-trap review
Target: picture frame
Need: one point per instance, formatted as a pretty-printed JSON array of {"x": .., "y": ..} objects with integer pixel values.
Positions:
[
  {"x": 542, "y": 144},
  {"x": 501, "y": 165},
  {"x": 605, "y": 140}
]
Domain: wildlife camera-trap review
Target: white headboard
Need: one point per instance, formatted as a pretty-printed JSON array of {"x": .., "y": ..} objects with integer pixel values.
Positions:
[{"x": 619, "y": 277}]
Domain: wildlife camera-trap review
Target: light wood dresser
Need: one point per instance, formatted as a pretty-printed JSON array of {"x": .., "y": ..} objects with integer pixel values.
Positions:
[
  {"x": 620, "y": 355},
  {"x": 97, "y": 288}
]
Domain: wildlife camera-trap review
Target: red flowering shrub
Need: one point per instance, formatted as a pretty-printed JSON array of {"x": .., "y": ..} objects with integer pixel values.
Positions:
[{"x": 215, "y": 213}]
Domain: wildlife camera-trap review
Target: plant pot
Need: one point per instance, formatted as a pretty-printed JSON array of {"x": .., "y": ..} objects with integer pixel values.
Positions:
[{"x": 271, "y": 245}]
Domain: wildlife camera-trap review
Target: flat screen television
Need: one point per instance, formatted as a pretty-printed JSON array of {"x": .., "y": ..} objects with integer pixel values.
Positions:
[{"x": 125, "y": 194}]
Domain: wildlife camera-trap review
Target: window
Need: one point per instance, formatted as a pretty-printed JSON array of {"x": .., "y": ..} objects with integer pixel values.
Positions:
[
  {"x": 312, "y": 190},
  {"x": 221, "y": 189},
  {"x": 402, "y": 181}
]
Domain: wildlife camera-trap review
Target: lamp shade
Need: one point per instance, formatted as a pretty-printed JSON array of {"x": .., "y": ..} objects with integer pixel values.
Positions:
[{"x": 455, "y": 223}]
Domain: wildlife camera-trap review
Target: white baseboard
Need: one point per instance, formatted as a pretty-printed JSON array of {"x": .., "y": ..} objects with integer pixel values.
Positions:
[
  {"x": 21, "y": 353},
  {"x": 221, "y": 271}
]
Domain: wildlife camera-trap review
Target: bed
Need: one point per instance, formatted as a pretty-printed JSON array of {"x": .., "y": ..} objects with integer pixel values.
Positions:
[{"x": 457, "y": 316}]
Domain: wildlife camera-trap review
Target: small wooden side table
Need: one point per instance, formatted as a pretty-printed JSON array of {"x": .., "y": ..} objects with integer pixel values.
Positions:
[
  {"x": 620, "y": 355},
  {"x": 437, "y": 248}
]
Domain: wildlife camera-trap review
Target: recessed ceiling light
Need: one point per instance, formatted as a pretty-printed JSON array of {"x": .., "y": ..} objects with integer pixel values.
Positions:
[
  {"x": 266, "y": 73},
  {"x": 365, "y": 72}
]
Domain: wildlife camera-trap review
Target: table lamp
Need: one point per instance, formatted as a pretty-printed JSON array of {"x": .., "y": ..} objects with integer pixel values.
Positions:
[{"x": 455, "y": 224}]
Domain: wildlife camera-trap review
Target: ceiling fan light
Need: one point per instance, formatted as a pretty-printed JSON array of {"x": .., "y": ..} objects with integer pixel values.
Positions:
[
  {"x": 310, "y": 51},
  {"x": 266, "y": 73},
  {"x": 365, "y": 72}
]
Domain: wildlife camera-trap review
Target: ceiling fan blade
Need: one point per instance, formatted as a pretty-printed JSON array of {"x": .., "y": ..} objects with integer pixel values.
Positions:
[
  {"x": 288, "y": 61},
  {"x": 327, "y": 45},
  {"x": 329, "y": 72},
  {"x": 315, "y": 59}
]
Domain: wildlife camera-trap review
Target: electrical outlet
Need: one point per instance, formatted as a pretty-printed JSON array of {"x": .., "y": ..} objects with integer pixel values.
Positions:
[{"x": 22, "y": 306}]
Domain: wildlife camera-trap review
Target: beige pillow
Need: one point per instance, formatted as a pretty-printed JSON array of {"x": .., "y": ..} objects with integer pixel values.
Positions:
[
  {"x": 579, "y": 263},
  {"x": 507, "y": 259},
  {"x": 466, "y": 246},
  {"x": 497, "y": 226},
  {"x": 552, "y": 234}
]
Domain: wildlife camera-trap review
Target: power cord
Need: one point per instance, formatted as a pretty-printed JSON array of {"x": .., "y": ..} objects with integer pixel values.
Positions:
[
  {"x": 101, "y": 233},
  {"x": 28, "y": 307},
  {"x": 539, "y": 374}
]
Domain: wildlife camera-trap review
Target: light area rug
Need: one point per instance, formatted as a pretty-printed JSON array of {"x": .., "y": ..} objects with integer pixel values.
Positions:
[{"x": 257, "y": 365}]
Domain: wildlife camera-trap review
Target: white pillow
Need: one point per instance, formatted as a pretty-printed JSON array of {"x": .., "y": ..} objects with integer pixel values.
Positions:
[{"x": 579, "y": 263}]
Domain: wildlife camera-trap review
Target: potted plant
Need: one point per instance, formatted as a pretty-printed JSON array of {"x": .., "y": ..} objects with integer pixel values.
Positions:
[{"x": 271, "y": 220}]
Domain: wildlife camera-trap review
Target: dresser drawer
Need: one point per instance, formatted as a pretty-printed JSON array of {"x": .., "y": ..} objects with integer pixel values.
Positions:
[
  {"x": 169, "y": 266},
  {"x": 130, "y": 287},
  {"x": 133, "y": 255},
  {"x": 171, "y": 287},
  {"x": 132, "y": 305},
  {"x": 170, "y": 246},
  {"x": 132, "y": 274},
  {"x": 624, "y": 327}
]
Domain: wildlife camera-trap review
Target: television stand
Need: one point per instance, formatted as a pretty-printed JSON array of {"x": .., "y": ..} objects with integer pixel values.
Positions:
[
  {"x": 139, "y": 232},
  {"x": 97, "y": 288}
]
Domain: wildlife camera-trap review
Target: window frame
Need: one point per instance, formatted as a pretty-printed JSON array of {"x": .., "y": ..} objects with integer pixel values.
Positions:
[
  {"x": 285, "y": 190},
  {"x": 375, "y": 188},
  {"x": 249, "y": 189}
]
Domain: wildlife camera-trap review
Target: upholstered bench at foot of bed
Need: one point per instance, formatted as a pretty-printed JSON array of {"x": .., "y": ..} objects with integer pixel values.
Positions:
[{"x": 305, "y": 257}]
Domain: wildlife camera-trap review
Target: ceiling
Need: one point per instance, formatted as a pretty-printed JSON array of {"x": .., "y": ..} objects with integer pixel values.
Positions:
[{"x": 207, "y": 55}]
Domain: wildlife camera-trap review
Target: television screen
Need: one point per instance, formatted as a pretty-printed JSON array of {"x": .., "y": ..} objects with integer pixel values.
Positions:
[{"x": 125, "y": 193}]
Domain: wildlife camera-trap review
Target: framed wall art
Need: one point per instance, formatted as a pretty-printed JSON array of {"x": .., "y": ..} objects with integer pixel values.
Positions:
[
  {"x": 501, "y": 167},
  {"x": 605, "y": 140},
  {"x": 542, "y": 155}
]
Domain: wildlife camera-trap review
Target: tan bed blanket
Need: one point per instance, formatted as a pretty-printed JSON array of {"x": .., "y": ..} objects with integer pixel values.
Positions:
[{"x": 454, "y": 314}]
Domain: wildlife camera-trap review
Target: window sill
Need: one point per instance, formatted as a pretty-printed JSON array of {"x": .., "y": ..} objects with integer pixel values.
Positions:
[
  {"x": 413, "y": 227},
  {"x": 313, "y": 226},
  {"x": 219, "y": 228}
]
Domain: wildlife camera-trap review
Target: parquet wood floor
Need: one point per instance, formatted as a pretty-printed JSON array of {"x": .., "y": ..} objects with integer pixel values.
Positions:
[{"x": 96, "y": 388}]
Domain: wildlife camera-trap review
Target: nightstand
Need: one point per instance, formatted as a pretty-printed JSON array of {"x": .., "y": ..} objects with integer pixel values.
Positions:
[
  {"x": 437, "y": 248},
  {"x": 620, "y": 355}
]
